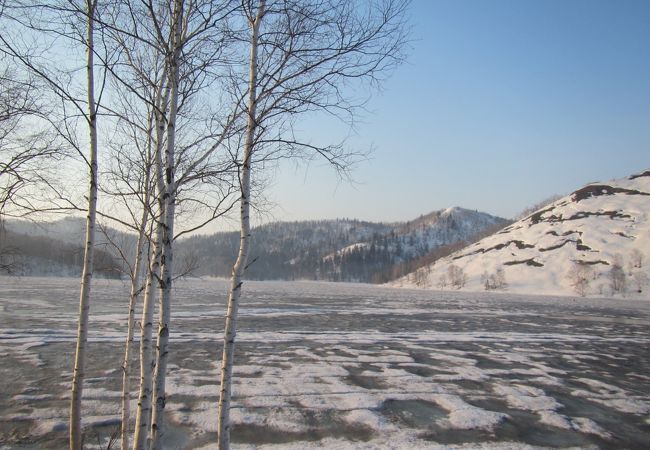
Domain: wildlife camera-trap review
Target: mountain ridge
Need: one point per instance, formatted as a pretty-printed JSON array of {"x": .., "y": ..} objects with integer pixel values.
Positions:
[{"x": 335, "y": 250}]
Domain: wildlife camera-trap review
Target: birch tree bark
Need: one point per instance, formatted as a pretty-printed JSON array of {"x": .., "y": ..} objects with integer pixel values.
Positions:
[
  {"x": 169, "y": 199},
  {"x": 143, "y": 416},
  {"x": 87, "y": 273},
  {"x": 237, "y": 280},
  {"x": 136, "y": 288}
]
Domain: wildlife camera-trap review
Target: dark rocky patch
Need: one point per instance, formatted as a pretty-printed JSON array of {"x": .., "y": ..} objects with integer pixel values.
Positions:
[
  {"x": 581, "y": 247},
  {"x": 536, "y": 218},
  {"x": 519, "y": 244},
  {"x": 528, "y": 262},
  {"x": 596, "y": 190},
  {"x": 508, "y": 229},
  {"x": 639, "y": 175},
  {"x": 611, "y": 214},
  {"x": 566, "y": 233},
  {"x": 591, "y": 263},
  {"x": 555, "y": 247},
  {"x": 583, "y": 214}
]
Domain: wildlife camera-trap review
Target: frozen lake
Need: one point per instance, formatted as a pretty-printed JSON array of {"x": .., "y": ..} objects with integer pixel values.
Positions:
[{"x": 342, "y": 366}]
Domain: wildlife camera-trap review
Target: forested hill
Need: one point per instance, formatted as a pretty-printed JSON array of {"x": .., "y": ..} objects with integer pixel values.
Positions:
[
  {"x": 56, "y": 249},
  {"x": 334, "y": 250},
  {"x": 341, "y": 250}
]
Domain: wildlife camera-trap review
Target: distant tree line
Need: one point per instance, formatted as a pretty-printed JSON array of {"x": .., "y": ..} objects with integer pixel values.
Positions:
[
  {"x": 40, "y": 255},
  {"x": 345, "y": 250},
  {"x": 618, "y": 278}
]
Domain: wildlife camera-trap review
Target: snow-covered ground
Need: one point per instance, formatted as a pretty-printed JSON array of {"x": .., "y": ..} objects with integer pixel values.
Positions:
[{"x": 342, "y": 366}]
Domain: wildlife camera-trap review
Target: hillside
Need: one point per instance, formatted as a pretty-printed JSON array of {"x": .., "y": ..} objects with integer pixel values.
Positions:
[
  {"x": 56, "y": 248},
  {"x": 337, "y": 250},
  {"x": 594, "y": 241},
  {"x": 279, "y": 250},
  {"x": 333, "y": 250},
  {"x": 42, "y": 251}
]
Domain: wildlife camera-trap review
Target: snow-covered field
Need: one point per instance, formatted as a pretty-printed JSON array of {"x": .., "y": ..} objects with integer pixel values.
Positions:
[{"x": 343, "y": 366}]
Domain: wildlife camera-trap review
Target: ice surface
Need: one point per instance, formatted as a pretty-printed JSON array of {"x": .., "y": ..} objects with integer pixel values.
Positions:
[{"x": 344, "y": 366}]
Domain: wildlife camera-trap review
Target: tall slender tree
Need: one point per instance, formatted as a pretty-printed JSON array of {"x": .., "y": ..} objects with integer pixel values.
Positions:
[
  {"x": 87, "y": 271},
  {"x": 238, "y": 270},
  {"x": 136, "y": 283},
  {"x": 304, "y": 54},
  {"x": 167, "y": 224},
  {"x": 144, "y": 411}
]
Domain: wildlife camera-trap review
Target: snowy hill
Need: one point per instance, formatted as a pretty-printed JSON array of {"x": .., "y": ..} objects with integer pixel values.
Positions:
[
  {"x": 339, "y": 250},
  {"x": 333, "y": 250},
  {"x": 446, "y": 226},
  {"x": 55, "y": 248},
  {"x": 416, "y": 238},
  {"x": 410, "y": 245},
  {"x": 594, "y": 241},
  {"x": 68, "y": 229}
]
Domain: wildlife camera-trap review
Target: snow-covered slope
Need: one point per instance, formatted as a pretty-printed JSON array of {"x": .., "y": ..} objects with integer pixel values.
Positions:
[
  {"x": 581, "y": 236},
  {"x": 447, "y": 226},
  {"x": 415, "y": 238},
  {"x": 409, "y": 245}
]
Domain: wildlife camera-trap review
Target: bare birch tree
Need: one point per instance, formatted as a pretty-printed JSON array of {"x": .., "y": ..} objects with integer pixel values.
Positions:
[
  {"x": 180, "y": 43},
  {"x": 131, "y": 182},
  {"x": 143, "y": 416},
  {"x": 70, "y": 19},
  {"x": 303, "y": 54},
  {"x": 24, "y": 153},
  {"x": 236, "y": 283},
  {"x": 167, "y": 225},
  {"x": 87, "y": 271}
]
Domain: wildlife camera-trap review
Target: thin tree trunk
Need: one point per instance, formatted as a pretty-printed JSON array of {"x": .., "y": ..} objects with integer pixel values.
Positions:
[
  {"x": 143, "y": 416},
  {"x": 87, "y": 273},
  {"x": 227, "y": 360},
  {"x": 157, "y": 419},
  {"x": 136, "y": 288},
  {"x": 143, "y": 413}
]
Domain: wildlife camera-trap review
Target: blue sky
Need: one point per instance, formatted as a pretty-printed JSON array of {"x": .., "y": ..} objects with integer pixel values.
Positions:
[{"x": 501, "y": 104}]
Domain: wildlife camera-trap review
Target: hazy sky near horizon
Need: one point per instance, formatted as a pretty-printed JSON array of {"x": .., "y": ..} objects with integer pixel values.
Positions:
[{"x": 501, "y": 104}]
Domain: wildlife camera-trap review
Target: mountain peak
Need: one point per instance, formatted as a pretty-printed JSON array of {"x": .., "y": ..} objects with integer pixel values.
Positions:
[{"x": 451, "y": 210}]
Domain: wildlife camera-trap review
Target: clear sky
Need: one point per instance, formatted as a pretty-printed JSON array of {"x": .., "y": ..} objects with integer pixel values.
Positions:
[{"x": 501, "y": 104}]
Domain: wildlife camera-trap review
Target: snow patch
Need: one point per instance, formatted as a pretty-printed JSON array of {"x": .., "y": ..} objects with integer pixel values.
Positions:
[{"x": 464, "y": 416}]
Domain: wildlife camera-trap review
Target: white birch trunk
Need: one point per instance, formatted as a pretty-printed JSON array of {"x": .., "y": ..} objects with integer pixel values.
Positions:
[
  {"x": 133, "y": 299},
  {"x": 157, "y": 419},
  {"x": 87, "y": 272},
  {"x": 143, "y": 416},
  {"x": 227, "y": 360}
]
